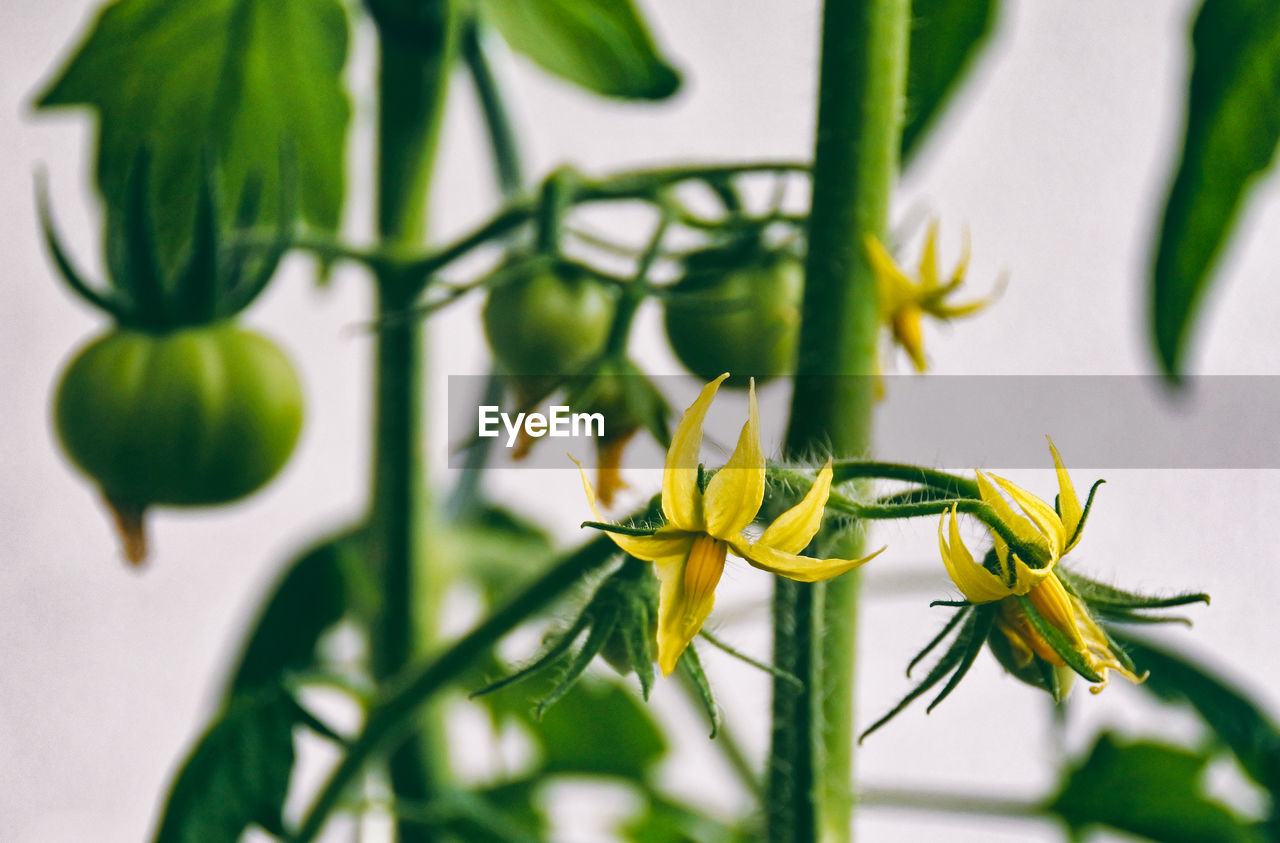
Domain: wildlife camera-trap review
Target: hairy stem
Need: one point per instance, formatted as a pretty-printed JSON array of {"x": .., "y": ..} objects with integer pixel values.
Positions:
[{"x": 862, "y": 79}]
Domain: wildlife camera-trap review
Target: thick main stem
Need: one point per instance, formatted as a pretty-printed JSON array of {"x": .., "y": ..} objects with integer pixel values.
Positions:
[
  {"x": 415, "y": 54},
  {"x": 861, "y": 86}
]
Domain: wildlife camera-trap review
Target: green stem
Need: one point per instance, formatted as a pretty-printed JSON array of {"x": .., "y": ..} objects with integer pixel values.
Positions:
[
  {"x": 846, "y": 470},
  {"x": 860, "y": 96},
  {"x": 1033, "y": 555},
  {"x": 389, "y": 720},
  {"x": 642, "y": 185},
  {"x": 836, "y": 502},
  {"x": 415, "y": 54},
  {"x": 791, "y": 811},
  {"x": 950, "y": 803},
  {"x": 497, "y": 120},
  {"x": 466, "y": 496}
]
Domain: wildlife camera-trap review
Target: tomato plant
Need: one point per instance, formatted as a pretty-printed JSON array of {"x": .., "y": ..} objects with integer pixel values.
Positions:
[
  {"x": 741, "y": 319},
  {"x": 191, "y": 417},
  {"x": 551, "y": 322}
]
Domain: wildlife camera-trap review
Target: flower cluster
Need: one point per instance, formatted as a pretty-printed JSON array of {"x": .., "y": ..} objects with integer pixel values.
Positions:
[
  {"x": 1039, "y": 619},
  {"x": 1013, "y": 584},
  {"x": 1043, "y": 622}
]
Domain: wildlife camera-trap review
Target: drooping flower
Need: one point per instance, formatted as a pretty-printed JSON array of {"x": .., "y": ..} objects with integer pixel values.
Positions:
[
  {"x": 903, "y": 302},
  {"x": 1037, "y": 615},
  {"x": 1039, "y": 618},
  {"x": 705, "y": 519}
]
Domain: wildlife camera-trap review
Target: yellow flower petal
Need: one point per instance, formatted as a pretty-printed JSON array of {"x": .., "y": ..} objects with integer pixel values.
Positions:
[
  {"x": 687, "y": 596},
  {"x": 929, "y": 258},
  {"x": 668, "y": 541},
  {"x": 976, "y": 583},
  {"x": 1054, "y": 604},
  {"x": 1021, "y": 650},
  {"x": 1041, "y": 514},
  {"x": 1099, "y": 651},
  {"x": 962, "y": 265},
  {"x": 1068, "y": 501},
  {"x": 793, "y": 567},
  {"x": 736, "y": 491},
  {"x": 681, "y": 498},
  {"x": 893, "y": 287},
  {"x": 1021, "y": 527},
  {"x": 792, "y": 531},
  {"x": 905, "y": 326}
]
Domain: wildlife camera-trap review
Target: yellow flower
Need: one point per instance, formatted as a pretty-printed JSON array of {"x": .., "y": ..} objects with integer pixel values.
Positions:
[
  {"x": 1047, "y": 534},
  {"x": 903, "y": 302},
  {"x": 704, "y": 523}
]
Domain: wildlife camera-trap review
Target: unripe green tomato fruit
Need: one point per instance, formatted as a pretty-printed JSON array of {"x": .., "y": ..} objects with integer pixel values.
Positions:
[
  {"x": 197, "y": 416},
  {"x": 548, "y": 323},
  {"x": 744, "y": 321}
]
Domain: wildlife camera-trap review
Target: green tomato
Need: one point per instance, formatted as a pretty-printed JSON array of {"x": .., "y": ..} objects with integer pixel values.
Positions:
[
  {"x": 549, "y": 323},
  {"x": 194, "y": 417},
  {"x": 744, "y": 320}
]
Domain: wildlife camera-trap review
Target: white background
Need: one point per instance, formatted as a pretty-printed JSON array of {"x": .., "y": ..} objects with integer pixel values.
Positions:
[{"x": 1057, "y": 160}]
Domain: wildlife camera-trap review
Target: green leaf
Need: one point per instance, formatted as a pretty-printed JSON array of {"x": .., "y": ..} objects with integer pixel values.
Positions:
[
  {"x": 245, "y": 81},
  {"x": 495, "y": 547},
  {"x": 1149, "y": 789},
  {"x": 472, "y": 817},
  {"x": 238, "y": 774},
  {"x": 601, "y": 45},
  {"x": 1233, "y": 125},
  {"x": 946, "y": 36},
  {"x": 315, "y": 592},
  {"x": 600, "y": 728},
  {"x": 596, "y": 729},
  {"x": 667, "y": 820},
  {"x": 1237, "y": 721}
]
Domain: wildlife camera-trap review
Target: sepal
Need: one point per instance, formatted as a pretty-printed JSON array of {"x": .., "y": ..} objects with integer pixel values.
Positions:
[{"x": 618, "y": 622}]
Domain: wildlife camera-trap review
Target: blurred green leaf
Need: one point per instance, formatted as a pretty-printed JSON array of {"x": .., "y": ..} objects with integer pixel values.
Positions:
[
  {"x": 667, "y": 821},
  {"x": 247, "y": 81},
  {"x": 600, "y": 728},
  {"x": 1148, "y": 789},
  {"x": 1233, "y": 125},
  {"x": 496, "y": 548},
  {"x": 1237, "y": 721},
  {"x": 946, "y": 37},
  {"x": 315, "y": 592},
  {"x": 480, "y": 816},
  {"x": 597, "y": 728},
  {"x": 238, "y": 774},
  {"x": 603, "y": 46}
]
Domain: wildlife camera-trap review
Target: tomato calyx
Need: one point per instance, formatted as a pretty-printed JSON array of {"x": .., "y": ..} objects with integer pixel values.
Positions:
[{"x": 213, "y": 282}]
